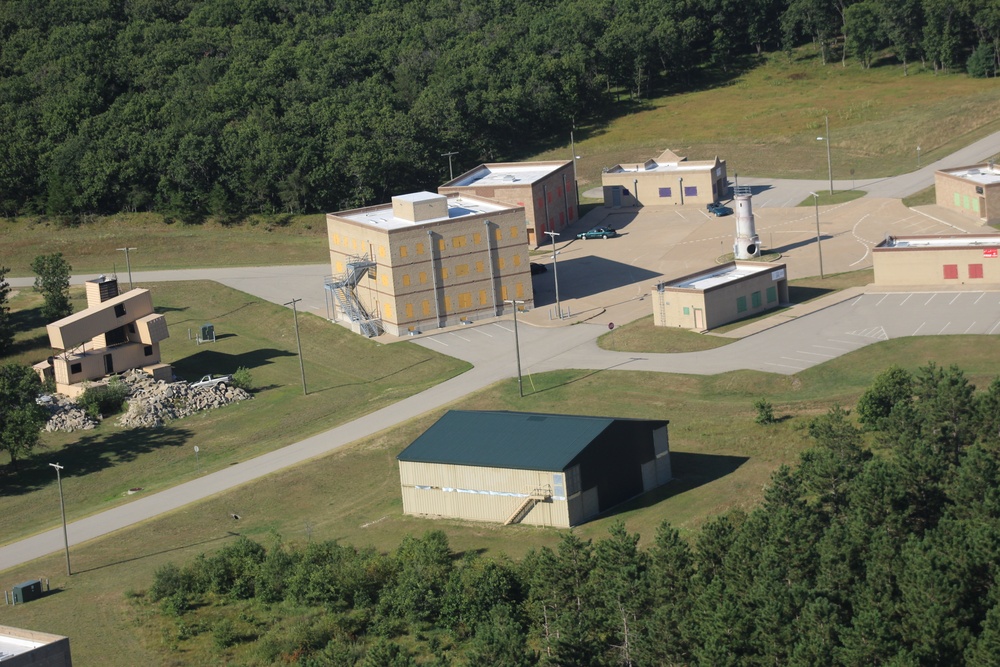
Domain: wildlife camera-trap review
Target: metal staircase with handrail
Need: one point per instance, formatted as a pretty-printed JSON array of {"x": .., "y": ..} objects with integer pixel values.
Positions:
[
  {"x": 344, "y": 290},
  {"x": 537, "y": 495}
]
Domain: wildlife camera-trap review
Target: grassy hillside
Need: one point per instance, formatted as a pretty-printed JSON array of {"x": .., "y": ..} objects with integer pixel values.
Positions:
[{"x": 766, "y": 121}]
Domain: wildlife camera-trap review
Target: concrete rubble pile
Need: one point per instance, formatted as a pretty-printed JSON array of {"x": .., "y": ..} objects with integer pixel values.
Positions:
[
  {"x": 67, "y": 416},
  {"x": 150, "y": 403},
  {"x": 153, "y": 402}
]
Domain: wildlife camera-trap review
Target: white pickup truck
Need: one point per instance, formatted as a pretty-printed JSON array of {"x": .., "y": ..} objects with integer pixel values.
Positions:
[{"x": 209, "y": 381}]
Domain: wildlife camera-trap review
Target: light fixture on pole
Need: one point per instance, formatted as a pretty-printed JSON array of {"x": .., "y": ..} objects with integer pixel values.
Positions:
[
  {"x": 62, "y": 508},
  {"x": 451, "y": 174},
  {"x": 819, "y": 242},
  {"x": 576, "y": 182},
  {"x": 128, "y": 264},
  {"x": 555, "y": 270},
  {"x": 829, "y": 160},
  {"x": 298, "y": 342},
  {"x": 517, "y": 346},
  {"x": 918, "y": 157}
]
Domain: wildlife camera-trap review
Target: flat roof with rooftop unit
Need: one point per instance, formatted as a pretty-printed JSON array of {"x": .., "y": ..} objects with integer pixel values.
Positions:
[
  {"x": 27, "y": 648},
  {"x": 973, "y": 191},
  {"x": 961, "y": 261}
]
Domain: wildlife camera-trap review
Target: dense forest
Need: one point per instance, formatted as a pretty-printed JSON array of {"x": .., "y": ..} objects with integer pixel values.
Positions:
[
  {"x": 881, "y": 548},
  {"x": 199, "y": 108}
]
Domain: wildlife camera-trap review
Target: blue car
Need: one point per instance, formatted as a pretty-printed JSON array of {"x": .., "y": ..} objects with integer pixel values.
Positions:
[{"x": 719, "y": 210}]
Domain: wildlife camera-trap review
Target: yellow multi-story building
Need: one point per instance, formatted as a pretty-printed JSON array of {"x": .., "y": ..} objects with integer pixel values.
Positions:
[{"x": 426, "y": 261}]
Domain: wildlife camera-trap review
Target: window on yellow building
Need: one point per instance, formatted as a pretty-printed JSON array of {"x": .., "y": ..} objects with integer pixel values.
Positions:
[
  {"x": 402, "y": 251},
  {"x": 479, "y": 267},
  {"x": 499, "y": 234},
  {"x": 477, "y": 238},
  {"x": 503, "y": 292},
  {"x": 458, "y": 242},
  {"x": 385, "y": 279},
  {"x": 406, "y": 280},
  {"x": 420, "y": 248},
  {"x": 462, "y": 270},
  {"x": 441, "y": 245},
  {"x": 444, "y": 273},
  {"x": 335, "y": 239},
  {"x": 513, "y": 232},
  {"x": 447, "y": 303},
  {"x": 381, "y": 251},
  {"x": 517, "y": 260},
  {"x": 386, "y": 311},
  {"x": 519, "y": 291},
  {"x": 482, "y": 297},
  {"x": 338, "y": 266},
  {"x": 500, "y": 262},
  {"x": 425, "y": 307},
  {"x": 409, "y": 311},
  {"x": 423, "y": 277},
  {"x": 465, "y": 300}
]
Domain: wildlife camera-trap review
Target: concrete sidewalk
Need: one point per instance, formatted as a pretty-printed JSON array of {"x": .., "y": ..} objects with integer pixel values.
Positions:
[{"x": 794, "y": 312}]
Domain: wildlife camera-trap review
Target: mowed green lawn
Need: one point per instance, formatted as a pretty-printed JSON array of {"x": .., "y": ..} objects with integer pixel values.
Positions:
[
  {"x": 347, "y": 375},
  {"x": 765, "y": 122},
  {"x": 722, "y": 460}
]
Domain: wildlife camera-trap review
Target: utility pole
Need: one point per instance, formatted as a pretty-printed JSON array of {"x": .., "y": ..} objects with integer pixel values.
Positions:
[
  {"x": 555, "y": 270},
  {"x": 819, "y": 240},
  {"x": 517, "y": 347},
  {"x": 128, "y": 264},
  {"x": 451, "y": 174},
  {"x": 62, "y": 508},
  {"x": 298, "y": 343}
]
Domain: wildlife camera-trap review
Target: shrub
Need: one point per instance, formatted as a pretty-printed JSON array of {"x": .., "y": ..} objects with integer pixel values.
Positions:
[
  {"x": 765, "y": 411},
  {"x": 104, "y": 399},
  {"x": 980, "y": 63},
  {"x": 243, "y": 379},
  {"x": 224, "y": 634}
]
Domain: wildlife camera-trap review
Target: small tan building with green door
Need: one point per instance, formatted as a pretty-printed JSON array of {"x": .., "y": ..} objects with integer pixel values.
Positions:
[
  {"x": 973, "y": 191},
  {"x": 709, "y": 299}
]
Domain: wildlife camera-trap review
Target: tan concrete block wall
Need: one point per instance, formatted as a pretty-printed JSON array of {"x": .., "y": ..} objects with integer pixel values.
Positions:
[
  {"x": 925, "y": 266},
  {"x": 720, "y": 304},
  {"x": 646, "y": 186},
  {"x": 124, "y": 357},
  {"x": 86, "y": 324},
  {"x": 959, "y": 195}
]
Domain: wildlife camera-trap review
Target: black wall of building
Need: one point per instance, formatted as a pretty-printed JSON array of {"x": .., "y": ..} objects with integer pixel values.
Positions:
[{"x": 613, "y": 462}]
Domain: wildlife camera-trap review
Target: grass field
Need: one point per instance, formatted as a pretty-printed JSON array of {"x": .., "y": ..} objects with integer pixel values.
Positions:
[
  {"x": 348, "y": 376},
  {"x": 765, "y": 122},
  {"x": 721, "y": 458}
]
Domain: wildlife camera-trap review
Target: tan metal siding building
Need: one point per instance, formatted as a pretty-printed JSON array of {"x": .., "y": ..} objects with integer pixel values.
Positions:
[
  {"x": 426, "y": 261},
  {"x": 709, "y": 299},
  {"x": 546, "y": 470},
  {"x": 546, "y": 191},
  {"x": 973, "y": 191},
  {"x": 668, "y": 180},
  {"x": 969, "y": 260}
]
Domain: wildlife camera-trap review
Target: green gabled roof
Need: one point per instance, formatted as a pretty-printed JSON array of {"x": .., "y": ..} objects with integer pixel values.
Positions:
[{"x": 523, "y": 440}]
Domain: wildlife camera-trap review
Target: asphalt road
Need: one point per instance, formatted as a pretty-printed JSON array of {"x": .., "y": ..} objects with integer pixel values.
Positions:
[{"x": 794, "y": 346}]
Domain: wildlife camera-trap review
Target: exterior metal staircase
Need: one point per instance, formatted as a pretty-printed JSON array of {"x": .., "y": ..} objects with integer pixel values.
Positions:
[
  {"x": 345, "y": 295},
  {"x": 541, "y": 494}
]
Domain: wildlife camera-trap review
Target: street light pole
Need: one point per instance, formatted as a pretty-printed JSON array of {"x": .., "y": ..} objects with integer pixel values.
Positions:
[
  {"x": 298, "y": 343},
  {"x": 819, "y": 242},
  {"x": 62, "y": 508},
  {"x": 517, "y": 347},
  {"x": 918, "y": 157},
  {"x": 128, "y": 264},
  {"x": 555, "y": 270},
  {"x": 829, "y": 160},
  {"x": 451, "y": 174}
]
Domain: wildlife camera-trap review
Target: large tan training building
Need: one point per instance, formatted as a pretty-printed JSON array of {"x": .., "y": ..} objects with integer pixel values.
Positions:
[
  {"x": 28, "y": 648},
  {"x": 546, "y": 191},
  {"x": 972, "y": 191},
  {"x": 115, "y": 333},
  {"x": 426, "y": 261},
  {"x": 947, "y": 260},
  {"x": 539, "y": 469},
  {"x": 710, "y": 299},
  {"x": 665, "y": 181}
]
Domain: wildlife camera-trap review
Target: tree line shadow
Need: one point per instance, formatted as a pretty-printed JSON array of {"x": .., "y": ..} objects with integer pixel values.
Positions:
[{"x": 91, "y": 453}]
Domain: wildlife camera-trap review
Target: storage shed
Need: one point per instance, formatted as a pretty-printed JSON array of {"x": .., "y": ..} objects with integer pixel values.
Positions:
[
  {"x": 522, "y": 467},
  {"x": 969, "y": 260}
]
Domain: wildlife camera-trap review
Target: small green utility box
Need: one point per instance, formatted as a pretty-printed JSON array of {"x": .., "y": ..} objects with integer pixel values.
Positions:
[
  {"x": 28, "y": 591},
  {"x": 207, "y": 332}
]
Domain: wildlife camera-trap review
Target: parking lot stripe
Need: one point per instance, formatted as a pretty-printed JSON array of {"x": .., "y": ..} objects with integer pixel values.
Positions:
[
  {"x": 970, "y": 327},
  {"x": 906, "y": 299},
  {"x": 930, "y": 299},
  {"x": 771, "y": 363},
  {"x": 818, "y": 354},
  {"x": 918, "y": 328},
  {"x": 504, "y": 328},
  {"x": 995, "y": 327},
  {"x": 981, "y": 295},
  {"x": 943, "y": 328},
  {"x": 831, "y": 347},
  {"x": 467, "y": 340},
  {"x": 955, "y": 299},
  {"x": 882, "y": 299},
  {"x": 801, "y": 361},
  {"x": 479, "y": 331},
  {"x": 845, "y": 342},
  {"x": 438, "y": 341}
]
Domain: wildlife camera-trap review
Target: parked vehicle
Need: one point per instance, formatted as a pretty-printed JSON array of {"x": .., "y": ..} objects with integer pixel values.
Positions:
[
  {"x": 209, "y": 381},
  {"x": 719, "y": 210},
  {"x": 598, "y": 233},
  {"x": 537, "y": 268}
]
